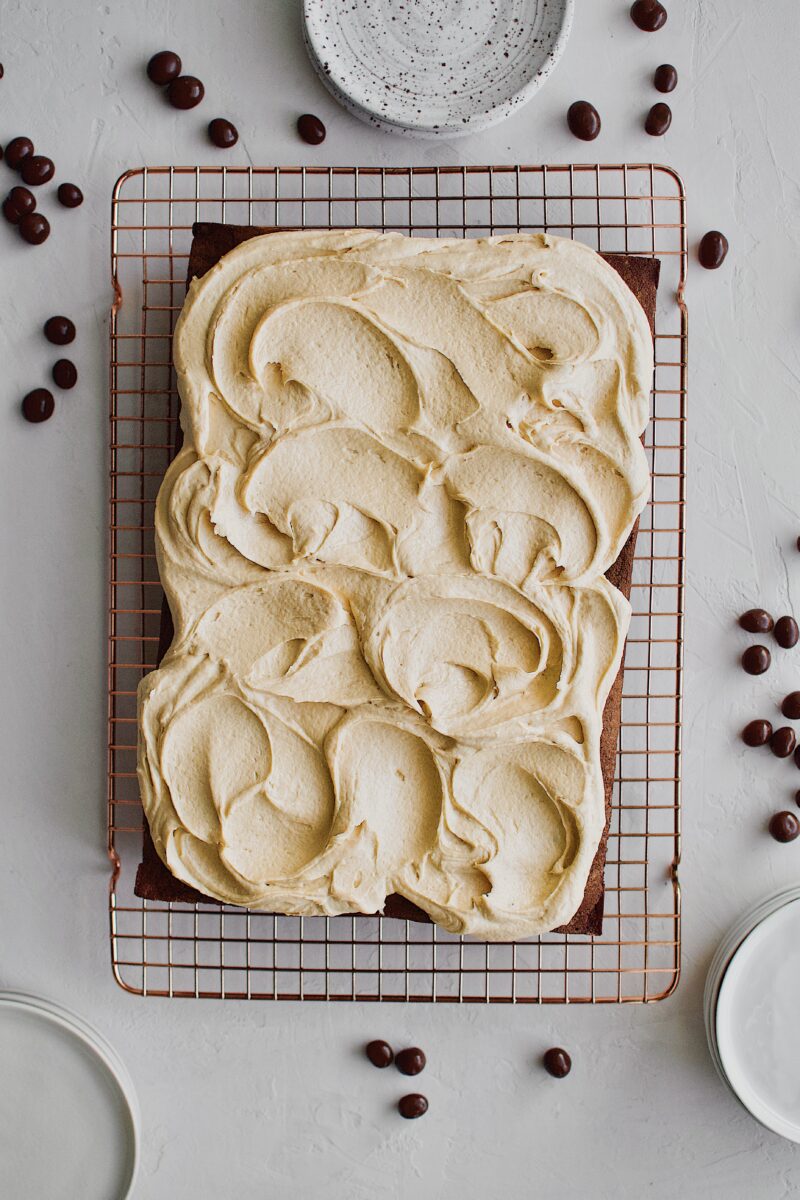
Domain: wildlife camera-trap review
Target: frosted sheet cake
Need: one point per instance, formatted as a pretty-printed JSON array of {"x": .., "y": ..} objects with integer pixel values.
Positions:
[{"x": 407, "y": 466}]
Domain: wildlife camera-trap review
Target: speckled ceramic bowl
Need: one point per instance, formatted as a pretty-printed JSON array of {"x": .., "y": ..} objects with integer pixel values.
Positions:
[{"x": 435, "y": 68}]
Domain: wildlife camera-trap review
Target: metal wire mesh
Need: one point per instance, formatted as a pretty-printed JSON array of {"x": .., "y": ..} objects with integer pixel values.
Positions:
[{"x": 183, "y": 949}]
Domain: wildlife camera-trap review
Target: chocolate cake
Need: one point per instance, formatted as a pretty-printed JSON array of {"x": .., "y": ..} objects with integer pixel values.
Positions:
[{"x": 155, "y": 882}]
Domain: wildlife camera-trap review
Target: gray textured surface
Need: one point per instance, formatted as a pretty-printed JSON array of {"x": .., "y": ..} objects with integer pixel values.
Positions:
[{"x": 255, "y": 1100}]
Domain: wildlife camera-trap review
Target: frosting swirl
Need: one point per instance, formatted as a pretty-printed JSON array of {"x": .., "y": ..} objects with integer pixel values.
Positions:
[{"x": 407, "y": 465}]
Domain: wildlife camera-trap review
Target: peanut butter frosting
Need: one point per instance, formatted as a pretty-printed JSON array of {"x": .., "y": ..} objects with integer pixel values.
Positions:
[{"x": 407, "y": 465}]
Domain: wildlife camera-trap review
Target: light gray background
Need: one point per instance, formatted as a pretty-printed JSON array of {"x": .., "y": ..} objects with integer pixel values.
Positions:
[{"x": 263, "y": 1100}]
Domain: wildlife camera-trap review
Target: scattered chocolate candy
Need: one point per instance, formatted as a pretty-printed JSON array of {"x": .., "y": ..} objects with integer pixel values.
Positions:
[
  {"x": 65, "y": 374},
  {"x": 784, "y": 826},
  {"x": 797, "y": 799},
  {"x": 70, "y": 195},
  {"x": 786, "y": 632},
  {"x": 164, "y": 67},
  {"x": 757, "y": 733},
  {"x": 17, "y": 203},
  {"x": 34, "y": 228},
  {"x": 414, "y": 1105},
  {"x": 223, "y": 133},
  {"x": 798, "y": 543},
  {"x": 797, "y": 757},
  {"x": 410, "y": 1061},
  {"x": 756, "y": 620},
  {"x": 583, "y": 120},
  {"x": 2, "y": 70},
  {"x": 379, "y": 1053},
  {"x": 38, "y": 405},
  {"x": 782, "y": 742},
  {"x": 59, "y": 330},
  {"x": 557, "y": 1062},
  {"x": 311, "y": 129},
  {"x": 756, "y": 660},
  {"x": 18, "y": 149},
  {"x": 185, "y": 92},
  {"x": 648, "y": 15},
  {"x": 658, "y": 120},
  {"x": 713, "y": 249},
  {"x": 37, "y": 169},
  {"x": 791, "y": 706},
  {"x": 665, "y": 78}
]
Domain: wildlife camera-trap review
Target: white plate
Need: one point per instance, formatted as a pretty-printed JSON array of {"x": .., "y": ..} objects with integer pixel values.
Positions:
[
  {"x": 757, "y": 1026},
  {"x": 68, "y": 1112},
  {"x": 435, "y": 67}
]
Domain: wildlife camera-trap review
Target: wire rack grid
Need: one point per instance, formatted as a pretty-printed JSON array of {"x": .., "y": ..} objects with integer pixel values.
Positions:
[{"x": 204, "y": 950}]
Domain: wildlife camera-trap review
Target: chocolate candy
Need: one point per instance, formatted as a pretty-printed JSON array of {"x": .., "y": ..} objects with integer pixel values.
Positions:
[
  {"x": 38, "y": 405},
  {"x": 756, "y": 620},
  {"x": 797, "y": 799},
  {"x": 557, "y": 1062},
  {"x": 37, "y": 169},
  {"x": 782, "y": 742},
  {"x": 59, "y": 330},
  {"x": 70, "y": 195},
  {"x": 757, "y": 733},
  {"x": 65, "y": 374},
  {"x": 17, "y": 203},
  {"x": 18, "y": 149},
  {"x": 164, "y": 67},
  {"x": 756, "y": 660},
  {"x": 658, "y": 120},
  {"x": 34, "y": 228},
  {"x": 786, "y": 632},
  {"x": 379, "y": 1053},
  {"x": 412, "y": 1106},
  {"x": 410, "y": 1061},
  {"x": 791, "y": 706},
  {"x": 223, "y": 133},
  {"x": 583, "y": 120},
  {"x": 798, "y": 543},
  {"x": 648, "y": 15},
  {"x": 784, "y": 826},
  {"x": 797, "y": 757},
  {"x": 185, "y": 92},
  {"x": 311, "y": 129},
  {"x": 713, "y": 249},
  {"x": 665, "y": 78}
]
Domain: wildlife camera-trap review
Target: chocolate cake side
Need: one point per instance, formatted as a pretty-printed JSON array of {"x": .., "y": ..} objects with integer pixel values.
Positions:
[{"x": 154, "y": 881}]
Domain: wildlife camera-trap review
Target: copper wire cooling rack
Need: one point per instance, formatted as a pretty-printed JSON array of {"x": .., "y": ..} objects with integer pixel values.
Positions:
[{"x": 182, "y": 949}]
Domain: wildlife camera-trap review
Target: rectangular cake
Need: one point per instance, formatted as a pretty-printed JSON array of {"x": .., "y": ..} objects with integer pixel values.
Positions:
[{"x": 396, "y": 545}]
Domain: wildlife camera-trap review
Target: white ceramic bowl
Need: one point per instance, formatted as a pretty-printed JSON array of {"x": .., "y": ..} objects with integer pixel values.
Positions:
[{"x": 435, "y": 68}]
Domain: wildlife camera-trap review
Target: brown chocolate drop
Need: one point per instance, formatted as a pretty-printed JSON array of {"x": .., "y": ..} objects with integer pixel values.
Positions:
[
  {"x": 557, "y": 1062},
  {"x": 756, "y": 660},
  {"x": 223, "y": 133},
  {"x": 60, "y": 331},
  {"x": 65, "y": 374},
  {"x": 311, "y": 129},
  {"x": 17, "y": 203},
  {"x": 648, "y": 15},
  {"x": 665, "y": 78},
  {"x": 757, "y": 733},
  {"x": 38, "y": 406},
  {"x": 797, "y": 757},
  {"x": 791, "y": 706},
  {"x": 185, "y": 92},
  {"x": 412, "y": 1106},
  {"x": 164, "y": 67},
  {"x": 69, "y": 195},
  {"x": 583, "y": 120},
  {"x": 756, "y": 620},
  {"x": 797, "y": 799},
  {"x": 410, "y": 1061},
  {"x": 379, "y": 1053},
  {"x": 658, "y": 120},
  {"x": 783, "y": 742},
  {"x": 786, "y": 632},
  {"x": 18, "y": 149},
  {"x": 784, "y": 826},
  {"x": 37, "y": 169},
  {"x": 34, "y": 228},
  {"x": 713, "y": 249}
]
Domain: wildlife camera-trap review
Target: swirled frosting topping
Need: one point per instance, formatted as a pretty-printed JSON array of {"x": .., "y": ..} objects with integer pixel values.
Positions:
[{"x": 407, "y": 465}]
